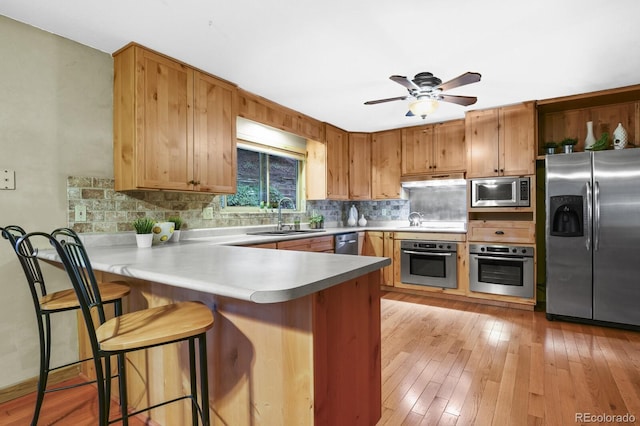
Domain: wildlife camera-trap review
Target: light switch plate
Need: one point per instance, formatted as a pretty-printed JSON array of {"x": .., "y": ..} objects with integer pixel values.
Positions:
[
  {"x": 207, "y": 213},
  {"x": 7, "y": 179},
  {"x": 81, "y": 213}
]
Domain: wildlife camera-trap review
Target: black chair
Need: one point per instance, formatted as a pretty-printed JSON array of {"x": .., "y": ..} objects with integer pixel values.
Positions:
[
  {"x": 177, "y": 322},
  {"x": 47, "y": 304}
]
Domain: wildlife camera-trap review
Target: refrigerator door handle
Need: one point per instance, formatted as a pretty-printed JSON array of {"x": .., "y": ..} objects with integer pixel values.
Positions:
[
  {"x": 589, "y": 216},
  {"x": 596, "y": 215}
]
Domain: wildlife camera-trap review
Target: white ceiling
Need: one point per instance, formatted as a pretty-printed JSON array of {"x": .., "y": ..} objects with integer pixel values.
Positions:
[{"x": 325, "y": 58}]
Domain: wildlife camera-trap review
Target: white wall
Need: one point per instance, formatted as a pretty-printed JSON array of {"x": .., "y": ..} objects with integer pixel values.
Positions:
[{"x": 55, "y": 121}]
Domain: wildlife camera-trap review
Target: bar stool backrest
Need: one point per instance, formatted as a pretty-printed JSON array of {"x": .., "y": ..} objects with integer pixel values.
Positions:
[
  {"x": 76, "y": 263},
  {"x": 29, "y": 263}
]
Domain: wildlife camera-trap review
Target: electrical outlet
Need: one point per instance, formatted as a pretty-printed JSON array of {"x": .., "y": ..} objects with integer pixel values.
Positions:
[
  {"x": 81, "y": 213},
  {"x": 7, "y": 179},
  {"x": 207, "y": 213},
  {"x": 384, "y": 212}
]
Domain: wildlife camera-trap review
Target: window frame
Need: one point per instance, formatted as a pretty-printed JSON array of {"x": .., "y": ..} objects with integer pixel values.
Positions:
[{"x": 270, "y": 150}]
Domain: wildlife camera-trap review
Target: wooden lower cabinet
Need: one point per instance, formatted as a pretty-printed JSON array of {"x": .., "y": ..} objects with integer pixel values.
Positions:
[
  {"x": 378, "y": 243},
  {"x": 318, "y": 244},
  {"x": 263, "y": 245},
  {"x": 502, "y": 231},
  {"x": 314, "y": 360}
]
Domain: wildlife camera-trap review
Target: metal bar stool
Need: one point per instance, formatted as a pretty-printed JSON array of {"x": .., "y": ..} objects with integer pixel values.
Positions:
[
  {"x": 46, "y": 304},
  {"x": 178, "y": 322}
]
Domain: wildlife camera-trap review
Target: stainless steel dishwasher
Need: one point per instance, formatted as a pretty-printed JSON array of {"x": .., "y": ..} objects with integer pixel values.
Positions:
[{"x": 347, "y": 243}]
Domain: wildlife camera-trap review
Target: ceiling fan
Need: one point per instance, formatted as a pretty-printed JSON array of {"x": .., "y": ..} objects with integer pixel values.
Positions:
[{"x": 426, "y": 90}]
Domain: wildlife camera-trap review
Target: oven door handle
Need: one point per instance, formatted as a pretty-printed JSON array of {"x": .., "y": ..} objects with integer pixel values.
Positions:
[
  {"x": 427, "y": 253},
  {"x": 515, "y": 259}
]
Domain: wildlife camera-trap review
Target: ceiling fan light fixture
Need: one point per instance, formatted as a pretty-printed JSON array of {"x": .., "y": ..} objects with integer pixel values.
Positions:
[{"x": 423, "y": 107}]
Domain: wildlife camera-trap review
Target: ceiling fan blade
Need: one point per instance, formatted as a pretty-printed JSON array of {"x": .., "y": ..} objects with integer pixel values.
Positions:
[
  {"x": 379, "y": 101},
  {"x": 460, "y": 100},
  {"x": 404, "y": 81},
  {"x": 461, "y": 80}
]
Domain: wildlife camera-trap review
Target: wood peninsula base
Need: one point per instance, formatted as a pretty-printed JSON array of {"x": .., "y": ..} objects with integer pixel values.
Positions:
[{"x": 314, "y": 360}]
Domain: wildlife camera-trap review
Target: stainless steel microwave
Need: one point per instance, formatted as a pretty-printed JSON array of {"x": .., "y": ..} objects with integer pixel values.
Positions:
[{"x": 500, "y": 192}]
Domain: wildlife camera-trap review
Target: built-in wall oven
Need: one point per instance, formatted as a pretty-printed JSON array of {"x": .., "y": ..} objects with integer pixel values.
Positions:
[
  {"x": 429, "y": 263},
  {"x": 501, "y": 269}
]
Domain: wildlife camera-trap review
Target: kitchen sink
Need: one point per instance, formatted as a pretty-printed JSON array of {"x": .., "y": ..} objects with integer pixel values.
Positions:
[{"x": 286, "y": 232}]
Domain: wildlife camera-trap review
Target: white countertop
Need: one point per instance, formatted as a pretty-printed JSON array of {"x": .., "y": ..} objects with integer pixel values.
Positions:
[
  {"x": 208, "y": 260},
  {"x": 253, "y": 274}
]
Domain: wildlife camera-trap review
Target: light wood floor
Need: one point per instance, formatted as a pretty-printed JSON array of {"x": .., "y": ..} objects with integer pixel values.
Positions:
[
  {"x": 72, "y": 407},
  {"x": 457, "y": 363}
]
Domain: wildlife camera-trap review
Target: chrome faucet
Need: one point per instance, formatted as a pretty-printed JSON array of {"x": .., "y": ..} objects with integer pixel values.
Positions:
[{"x": 283, "y": 199}]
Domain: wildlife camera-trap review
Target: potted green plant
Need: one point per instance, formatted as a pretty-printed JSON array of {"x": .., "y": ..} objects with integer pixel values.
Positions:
[
  {"x": 316, "y": 221},
  {"x": 550, "y": 147},
  {"x": 568, "y": 144},
  {"x": 144, "y": 229},
  {"x": 177, "y": 222}
]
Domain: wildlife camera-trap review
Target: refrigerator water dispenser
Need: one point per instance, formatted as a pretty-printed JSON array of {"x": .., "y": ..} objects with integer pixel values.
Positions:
[{"x": 566, "y": 216}]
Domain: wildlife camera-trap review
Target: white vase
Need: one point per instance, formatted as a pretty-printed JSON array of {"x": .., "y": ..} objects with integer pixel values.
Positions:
[
  {"x": 362, "y": 221},
  {"x": 353, "y": 216},
  {"x": 144, "y": 240},
  {"x": 590, "y": 140},
  {"x": 619, "y": 137},
  {"x": 176, "y": 236}
]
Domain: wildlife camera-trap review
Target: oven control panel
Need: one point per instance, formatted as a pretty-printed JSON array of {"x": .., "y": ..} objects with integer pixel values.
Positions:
[
  {"x": 503, "y": 250},
  {"x": 428, "y": 245}
]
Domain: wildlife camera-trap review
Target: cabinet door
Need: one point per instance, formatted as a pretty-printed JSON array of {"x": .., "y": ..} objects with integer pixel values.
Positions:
[
  {"x": 482, "y": 143},
  {"x": 517, "y": 139},
  {"x": 380, "y": 244},
  {"x": 164, "y": 156},
  {"x": 215, "y": 135},
  {"x": 385, "y": 164},
  {"x": 360, "y": 169},
  {"x": 316, "y": 170},
  {"x": 449, "y": 149},
  {"x": 417, "y": 150},
  {"x": 337, "y": 163}
]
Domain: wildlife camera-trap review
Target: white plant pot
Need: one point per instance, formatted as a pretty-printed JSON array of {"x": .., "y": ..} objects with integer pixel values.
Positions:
[{"x": 144, "y": 240}]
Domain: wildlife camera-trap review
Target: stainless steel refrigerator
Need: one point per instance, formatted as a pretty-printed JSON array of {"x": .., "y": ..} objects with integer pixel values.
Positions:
[{"x": 593, "y": 236}]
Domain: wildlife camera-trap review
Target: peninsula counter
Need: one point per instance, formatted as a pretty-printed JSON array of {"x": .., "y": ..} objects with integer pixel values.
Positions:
[{"x": 296, "y": 338}]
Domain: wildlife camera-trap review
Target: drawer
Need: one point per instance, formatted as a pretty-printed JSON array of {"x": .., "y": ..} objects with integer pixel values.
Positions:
[
  {"x": 308, "y": 244},
  {"x": 502, "y": 231}
]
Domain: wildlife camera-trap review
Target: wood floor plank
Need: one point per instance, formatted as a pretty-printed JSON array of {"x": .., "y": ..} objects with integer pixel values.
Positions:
[{"x": 515, "y": 367}]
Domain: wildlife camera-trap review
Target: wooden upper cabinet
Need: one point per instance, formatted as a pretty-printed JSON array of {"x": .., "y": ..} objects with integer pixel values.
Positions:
[
  {"x": 518, "y": 139},
  {"x": 501, "y": 141},
  {"x": 417, "y": 150},
  {"x": 385, "y": 164},
  {"x": 360, "y": 166},
  {"x": 449, "y": 148},
  {"x": 174, "y": 127},
  {"x": 215, "y": 135},
  {"x": 262, "y": 110},
  {"x": 337, "y": 154},
  {"x": 430, "y": 149}
]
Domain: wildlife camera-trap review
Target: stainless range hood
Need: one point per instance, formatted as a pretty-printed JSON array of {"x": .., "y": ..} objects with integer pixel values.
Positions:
[{"x": 423, "y": 181}]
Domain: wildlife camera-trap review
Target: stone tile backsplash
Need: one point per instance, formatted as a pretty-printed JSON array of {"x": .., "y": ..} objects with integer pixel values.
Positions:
[{"x": 109, "y": 211}]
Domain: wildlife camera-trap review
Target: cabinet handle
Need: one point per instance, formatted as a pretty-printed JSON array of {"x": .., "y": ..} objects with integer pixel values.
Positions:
[
  {"x": 191, "y": 182},
  {"x": 495, "y": 170},
  {"x": 499, "y": 232}
]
